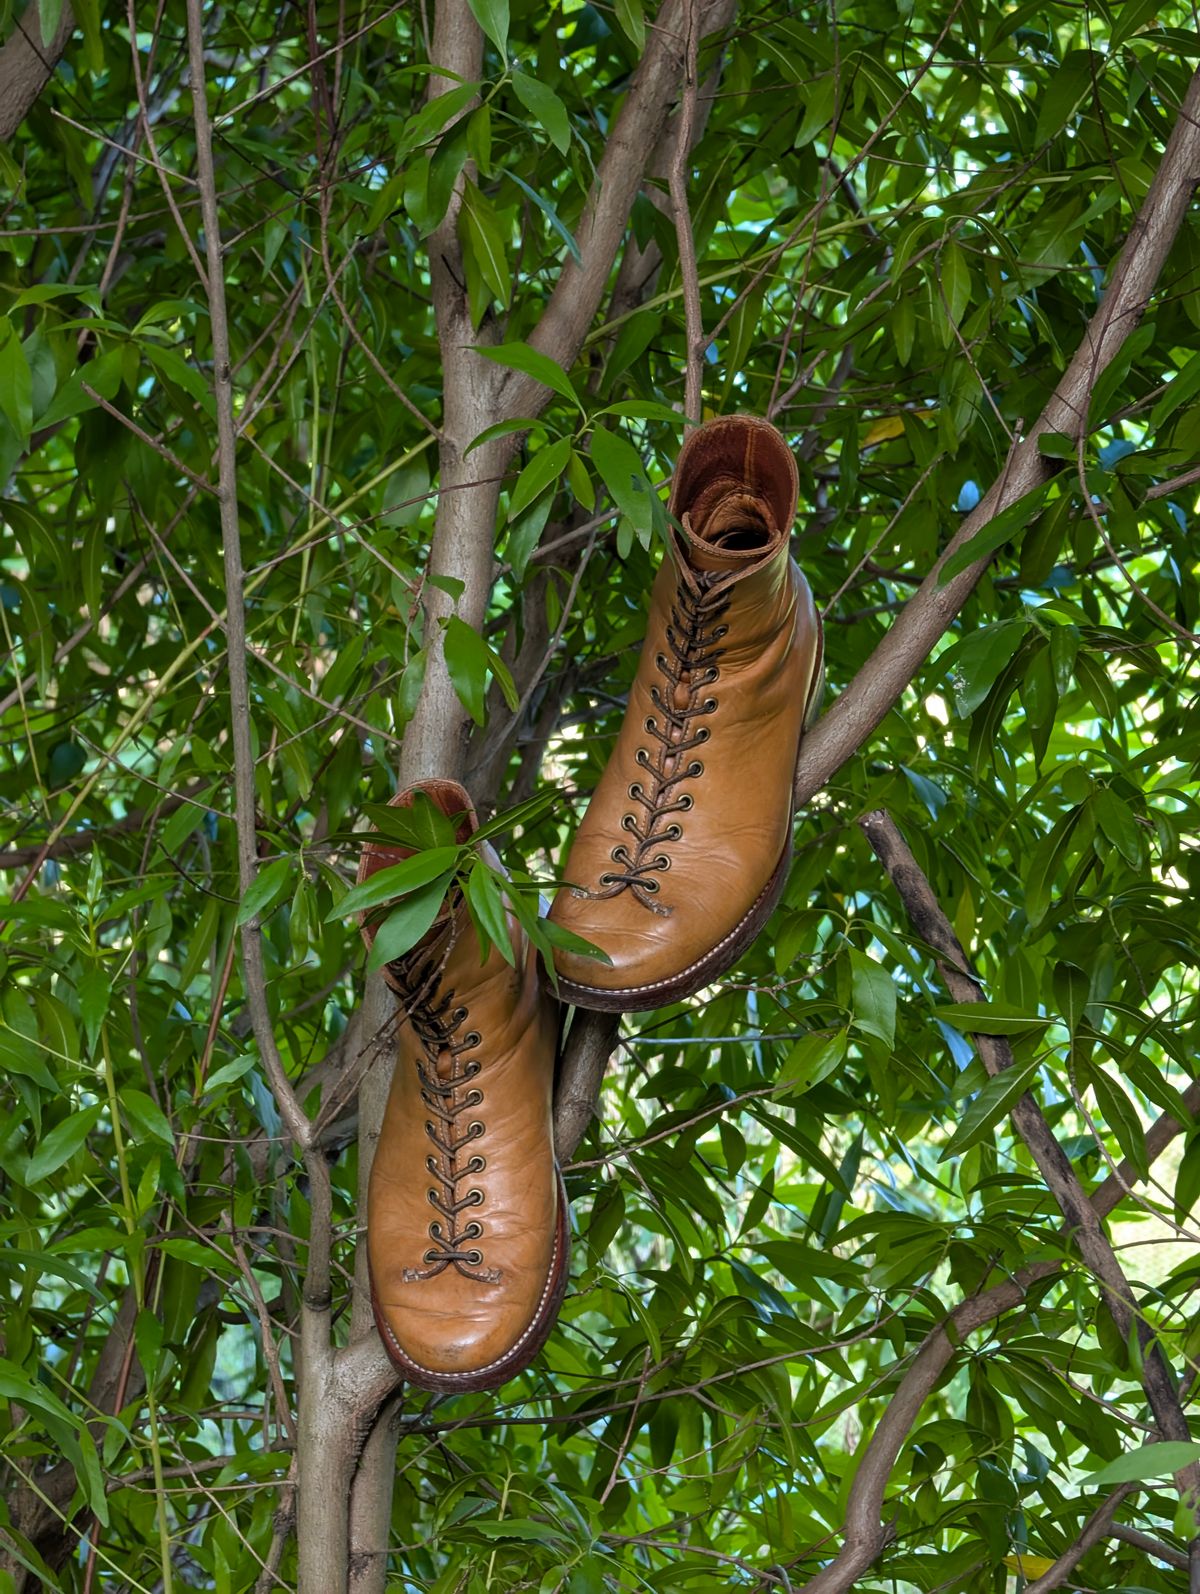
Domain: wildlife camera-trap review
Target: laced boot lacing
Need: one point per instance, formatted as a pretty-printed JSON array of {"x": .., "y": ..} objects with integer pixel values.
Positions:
[
  {"x": 447, "y": 1092},
  {"x": 693, "y": 635}
]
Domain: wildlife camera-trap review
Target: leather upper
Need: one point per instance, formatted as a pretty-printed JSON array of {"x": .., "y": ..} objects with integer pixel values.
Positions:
[
  {"x": 692, "y": 816},
  {"x": 463, "y": 1226}
]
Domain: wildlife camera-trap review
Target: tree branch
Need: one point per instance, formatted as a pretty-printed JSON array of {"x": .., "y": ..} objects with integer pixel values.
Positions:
[
  {"x": 568, "y": 314},
  {"x": 1097, "y": 1527},
  {"x": 27, "y": 65},
  {"x": 930, "y": 922},
  {"x": 323, "y": 1464},
  {"x": 864, "y": 704},
  {"x": 689, "y": 276}
]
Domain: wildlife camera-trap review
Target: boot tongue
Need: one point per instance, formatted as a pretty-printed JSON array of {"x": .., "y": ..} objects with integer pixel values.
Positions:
[{"x": 729, "y": 531}]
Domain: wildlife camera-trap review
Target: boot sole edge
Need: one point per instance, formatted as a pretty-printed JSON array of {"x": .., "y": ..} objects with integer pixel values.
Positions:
[
  {"x": 698, "y": 974},
  {"x": 516, "y": 1360}
]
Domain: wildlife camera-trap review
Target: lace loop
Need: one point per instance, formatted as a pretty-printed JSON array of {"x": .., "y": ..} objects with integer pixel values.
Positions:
[
  {"x": 448, "y": 1091},
  {"x": 680, "y": 700}
]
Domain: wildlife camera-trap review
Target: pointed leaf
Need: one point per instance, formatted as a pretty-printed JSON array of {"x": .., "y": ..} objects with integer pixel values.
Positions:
[
  {"x": 543, "y": 103},
  {"x": 520, "y": 357},
  {"x": 406, "y": 924},
  {"x": 61, "y": 1144},
  {"x": 397, "y": 880}
]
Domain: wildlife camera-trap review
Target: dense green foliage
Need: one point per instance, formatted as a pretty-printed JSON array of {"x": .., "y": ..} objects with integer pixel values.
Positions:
[{"x": 904, "y": 216}]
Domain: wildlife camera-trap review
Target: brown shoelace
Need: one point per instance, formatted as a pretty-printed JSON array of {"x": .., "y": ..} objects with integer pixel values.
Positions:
[
  {"x": 447, "y": 1091},
  {"x": 693, "y": 635}
]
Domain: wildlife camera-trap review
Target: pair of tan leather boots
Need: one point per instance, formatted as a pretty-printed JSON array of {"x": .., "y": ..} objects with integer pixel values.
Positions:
[{"x": 677, "y": 864}]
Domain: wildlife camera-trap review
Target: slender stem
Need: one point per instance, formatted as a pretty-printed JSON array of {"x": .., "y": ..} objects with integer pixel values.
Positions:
[{"x": 677, "y": 180}]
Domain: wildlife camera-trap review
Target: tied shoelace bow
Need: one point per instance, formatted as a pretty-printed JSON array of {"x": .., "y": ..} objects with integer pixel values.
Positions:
[
  {"x": 447, "y": 1091},
  {"x": 693, "y": 634}
]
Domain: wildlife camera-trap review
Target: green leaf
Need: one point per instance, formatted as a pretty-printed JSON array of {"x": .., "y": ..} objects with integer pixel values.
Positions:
[
  {"x": 874, "y": 998},
  {"x": 468, "y": 661},
  {"x": 632, "y": 22},
  {"x": 973, "y": 664},
  {"x": 486, "y": 241},
  {"x": 991, "y": 1104},
  {"x": 49, "y": 15},
  {"x": 544, "y": 467},
  {"x": 146, "y": 1116},
  {"x": 994, "y": 533},
  {"x": 521, "y": 423},
  {"x": 419, "y": 825},
  {"x": 228, "y": 1072},
  {"x": 520, "y": 357},
  {"x": 543, "y": 103},
  {"x": 525, "y": 533},
  {"x": 551, "y": 215},
  {"x": 267, "y": 891},
  {"x": 407, "y": 923},
  {"x": 988, "y": 1018},
  {"x": 492, "y": 17},
  {"x": 813, "y": 1058},
  {"x": 621, "y": 469},
  {"x": 102, "y": 375},
  {"x": 565, "y": 940},
  {"x": 432, "y": 118},
  {"x": 1121, "y": 1116},
  {"x": 1064, "y": 91},
  {"x": 483, "y": 893},
  {"x": 1181, "y": 390},
  {"x": 16, "y": 384},
  {"x": 526, "y": 813},
  {"x": 148, "y": 1336},
  {"x": 1147, "y": 1461},
  {"x": 1118, "y": 824},
  {"x": 956, "y": 280},
  {"x": 61, "y": 1144},
  {"x": 396, "y": 880},
  {"x": 94, "y": 991}
]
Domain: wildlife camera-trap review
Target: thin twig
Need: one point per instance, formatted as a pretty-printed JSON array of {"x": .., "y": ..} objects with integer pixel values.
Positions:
[{"x": 677, "y": 179}]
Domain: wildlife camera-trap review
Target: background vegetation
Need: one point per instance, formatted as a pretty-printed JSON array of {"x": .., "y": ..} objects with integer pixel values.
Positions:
[{"x": 830, "y": 1325}]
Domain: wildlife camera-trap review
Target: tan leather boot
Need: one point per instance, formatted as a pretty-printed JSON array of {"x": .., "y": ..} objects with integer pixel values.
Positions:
[
  {"x": 467, "y": 1233},
  {"x": 685, "y": 846}
]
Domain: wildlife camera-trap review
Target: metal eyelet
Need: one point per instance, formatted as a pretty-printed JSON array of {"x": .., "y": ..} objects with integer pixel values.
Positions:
[
  {"x": 609, "y": 879},
  {"x": 650, "y": 885},
  {"x": 432, "y": 1256},
  {"x": 431, "y": 1196},
  {"x": 721, "y": 631},
  {"x": 673, "y": 833},
  {"x": 629, "y": 822},
  {"x": 472, "y": 1038},
  {"x": 473, "y": 1098},
  {"x": 475, "y": 1198},
  {"x": 474, "y": 1257},
  {"x": 431, "y": 1166},
  {"x": 459, "y": 1014},
  {"x": 642, "y": 758},
  {"x": 649, "y": 724},
  {"x": 435, "y": 1231},
  {"x": 662, "y": 861},
  {"x": 703, "y": 734},
  {"x": 429, "y": 1129},
  {"x": 477, "y": 1164},
  {"x": 472, "y": 1231},
  {"x": 695, "y": 768},
  {"x": 475, "y": 1128},
  {"x": 687, "y": 802},
  {"x": 710, "y": 705}
]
